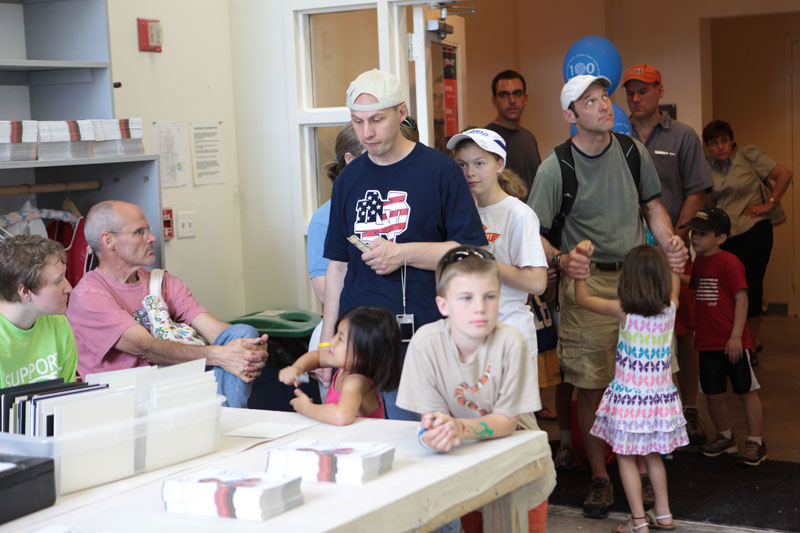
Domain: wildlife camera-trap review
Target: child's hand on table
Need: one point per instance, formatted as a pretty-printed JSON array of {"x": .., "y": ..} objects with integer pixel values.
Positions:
[
  {"x": 442, "y": 431},
  {"x": 301, "y": 401}
]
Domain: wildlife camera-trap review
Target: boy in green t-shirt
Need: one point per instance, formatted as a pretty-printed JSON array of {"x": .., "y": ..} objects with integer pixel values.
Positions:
[{"x": 36, "y": 341}]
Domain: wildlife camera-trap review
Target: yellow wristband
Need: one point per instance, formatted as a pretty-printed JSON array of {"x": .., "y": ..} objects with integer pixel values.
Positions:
[{"x": 324, "y": 345}]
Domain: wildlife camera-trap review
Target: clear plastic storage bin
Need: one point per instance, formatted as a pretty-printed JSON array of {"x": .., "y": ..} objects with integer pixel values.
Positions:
[{"x": 118, "y": 450}]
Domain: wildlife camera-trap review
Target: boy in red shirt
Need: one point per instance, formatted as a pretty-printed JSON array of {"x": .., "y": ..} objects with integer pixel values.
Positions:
[{"x": 722, "y": 338}]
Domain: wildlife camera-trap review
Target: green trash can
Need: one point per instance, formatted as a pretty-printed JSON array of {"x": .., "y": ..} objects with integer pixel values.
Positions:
[
  {"x": 282, "y": 323},
  {"x": 289, "y": 332}
]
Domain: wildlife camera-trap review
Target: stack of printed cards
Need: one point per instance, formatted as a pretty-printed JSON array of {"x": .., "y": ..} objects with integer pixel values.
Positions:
[
  {"x": 231, "y": 494},
  {"x": 351, "y": 463},
  {"x": 65, "y": 139},
  {"x": 121, "y": 136},
  {"x": 18, "y": 140}
]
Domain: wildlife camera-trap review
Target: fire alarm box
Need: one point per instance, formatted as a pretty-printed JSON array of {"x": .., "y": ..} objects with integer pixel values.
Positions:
[
  {"x": 150, "y": 35},
  {"x": 166, "y": 222}
]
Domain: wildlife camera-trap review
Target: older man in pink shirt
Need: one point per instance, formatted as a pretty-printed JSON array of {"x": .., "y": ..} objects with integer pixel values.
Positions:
[{"x": 107, "y": 316}]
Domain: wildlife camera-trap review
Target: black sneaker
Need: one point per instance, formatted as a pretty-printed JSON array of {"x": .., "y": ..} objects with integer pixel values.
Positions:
[
  {"x": 753, "y": 455},
  {"x": 695, "y": 427},
  {"x": 599, "y": 497}
]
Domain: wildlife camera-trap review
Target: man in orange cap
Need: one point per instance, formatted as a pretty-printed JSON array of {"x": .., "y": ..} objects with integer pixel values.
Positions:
[{"x": 685, "y": 180}]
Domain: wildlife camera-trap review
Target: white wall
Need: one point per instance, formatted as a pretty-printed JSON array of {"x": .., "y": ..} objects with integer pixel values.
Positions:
[{"x": 191, "y": 81}]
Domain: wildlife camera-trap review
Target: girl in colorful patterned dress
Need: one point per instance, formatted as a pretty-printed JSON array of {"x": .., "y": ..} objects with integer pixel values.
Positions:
[{"x": 640, "y": 414}]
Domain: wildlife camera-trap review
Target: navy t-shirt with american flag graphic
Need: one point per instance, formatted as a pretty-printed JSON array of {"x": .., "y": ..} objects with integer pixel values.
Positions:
[{"x": 421, "y": 198}]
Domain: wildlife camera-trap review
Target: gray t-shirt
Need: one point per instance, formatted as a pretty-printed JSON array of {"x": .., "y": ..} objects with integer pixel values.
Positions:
[
  {"x": 679, "y": 160},
  {"x": 606, "y": 209},
  {"x": 501, "y": 378},
  {"x": 522, "y": 151}
]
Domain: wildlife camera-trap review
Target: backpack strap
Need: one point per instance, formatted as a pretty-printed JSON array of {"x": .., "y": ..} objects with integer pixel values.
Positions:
[
  {"x": 569, "y": 180},
  {"x": 156, "y": 276},
  {"x": 569, "y": 190},
  {"x": 632, "y": 156}
]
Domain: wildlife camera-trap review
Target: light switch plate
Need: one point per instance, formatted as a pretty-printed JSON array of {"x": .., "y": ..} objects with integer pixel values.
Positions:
[{"x": 185, "y": 224}]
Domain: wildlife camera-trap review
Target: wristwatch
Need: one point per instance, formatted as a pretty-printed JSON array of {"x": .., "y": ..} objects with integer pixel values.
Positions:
[{"x": 557, "y": 260}]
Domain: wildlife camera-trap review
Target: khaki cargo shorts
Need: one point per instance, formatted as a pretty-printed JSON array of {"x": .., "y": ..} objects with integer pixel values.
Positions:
[{"x": 587, "y": 342}]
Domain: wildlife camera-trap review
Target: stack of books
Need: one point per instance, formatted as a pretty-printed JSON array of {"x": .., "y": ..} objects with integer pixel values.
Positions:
[
  {"x": 121, "y": 136},
  {"x": 231, "y": 494},
  {"x": 65, "y": 139},
  {"x": 18, "y": 140},
  {"x": 351, "y": 463}
]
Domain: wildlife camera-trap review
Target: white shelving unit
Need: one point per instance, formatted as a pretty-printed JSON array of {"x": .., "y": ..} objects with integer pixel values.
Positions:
[{"x": 54, "y": 65}]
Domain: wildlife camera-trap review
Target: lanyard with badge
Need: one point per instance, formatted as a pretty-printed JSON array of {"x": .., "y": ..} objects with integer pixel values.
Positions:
[{"x": 405, "y": 320}]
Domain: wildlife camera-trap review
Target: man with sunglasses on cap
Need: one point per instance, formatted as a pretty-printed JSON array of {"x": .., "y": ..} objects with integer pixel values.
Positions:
[
  {"x": 510, "y": 98},
  {"x": 685, "y": 181},
  {"x": 606, "y": 212},
  {"x": 409, "y": 203}
]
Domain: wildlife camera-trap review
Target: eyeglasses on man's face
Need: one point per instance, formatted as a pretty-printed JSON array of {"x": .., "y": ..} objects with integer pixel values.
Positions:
[
  {"x": 141, "y": 233},
  {"x": 505, "y": 95}
]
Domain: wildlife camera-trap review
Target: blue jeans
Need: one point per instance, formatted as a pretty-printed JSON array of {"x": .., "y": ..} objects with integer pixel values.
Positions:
[
  {"x": 232, "y": 387},
  {"x": 392, "y": 411}
]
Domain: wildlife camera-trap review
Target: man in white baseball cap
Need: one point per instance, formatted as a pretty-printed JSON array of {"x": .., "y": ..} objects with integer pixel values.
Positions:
[
  {"x": 605, "y": 210},
  {"x": 408, "y": 202}
]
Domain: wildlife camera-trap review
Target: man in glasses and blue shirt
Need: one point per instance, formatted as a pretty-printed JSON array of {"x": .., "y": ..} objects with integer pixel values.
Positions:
[
  {"x": 111, "y": 326},
  {"x": 510, "y": 98}
]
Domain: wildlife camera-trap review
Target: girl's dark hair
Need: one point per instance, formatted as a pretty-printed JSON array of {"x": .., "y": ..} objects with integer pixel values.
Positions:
[
  {"x": 645, "y": 282},
  {"x": 346, "y": 141},
  {"x": 374, "y": 337},
  {"x": 716, "y": 128}
]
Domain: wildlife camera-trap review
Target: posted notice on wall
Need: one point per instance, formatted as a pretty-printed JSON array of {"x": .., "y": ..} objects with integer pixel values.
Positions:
[
  {"x": 171, "y": 142},
  {"x": 207, "y": 153}
]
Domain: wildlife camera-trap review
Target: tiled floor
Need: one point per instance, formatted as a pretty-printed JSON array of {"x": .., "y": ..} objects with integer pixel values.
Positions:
[{"x": 779, "y": 376}]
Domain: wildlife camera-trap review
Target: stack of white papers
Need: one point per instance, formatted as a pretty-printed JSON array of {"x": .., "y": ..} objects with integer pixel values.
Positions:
[
  {"x": 18, "y": 140},
  {"x": 351, "y": 463},
  {"x": 121, "y": 136},
  {"x": 231, "y": 494},
  {"x": 65, "y": 139}
]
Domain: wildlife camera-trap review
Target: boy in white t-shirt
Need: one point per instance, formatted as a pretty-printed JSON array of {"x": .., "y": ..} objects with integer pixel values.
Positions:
[
  {"x": 469, "y": 376},
  {"x": 511, "y": 227}
]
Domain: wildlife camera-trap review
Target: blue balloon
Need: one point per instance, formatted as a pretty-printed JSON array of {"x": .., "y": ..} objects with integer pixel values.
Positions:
[
  {"x": 596, "y": 56},
  {"x": 621, "y": 122}
]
